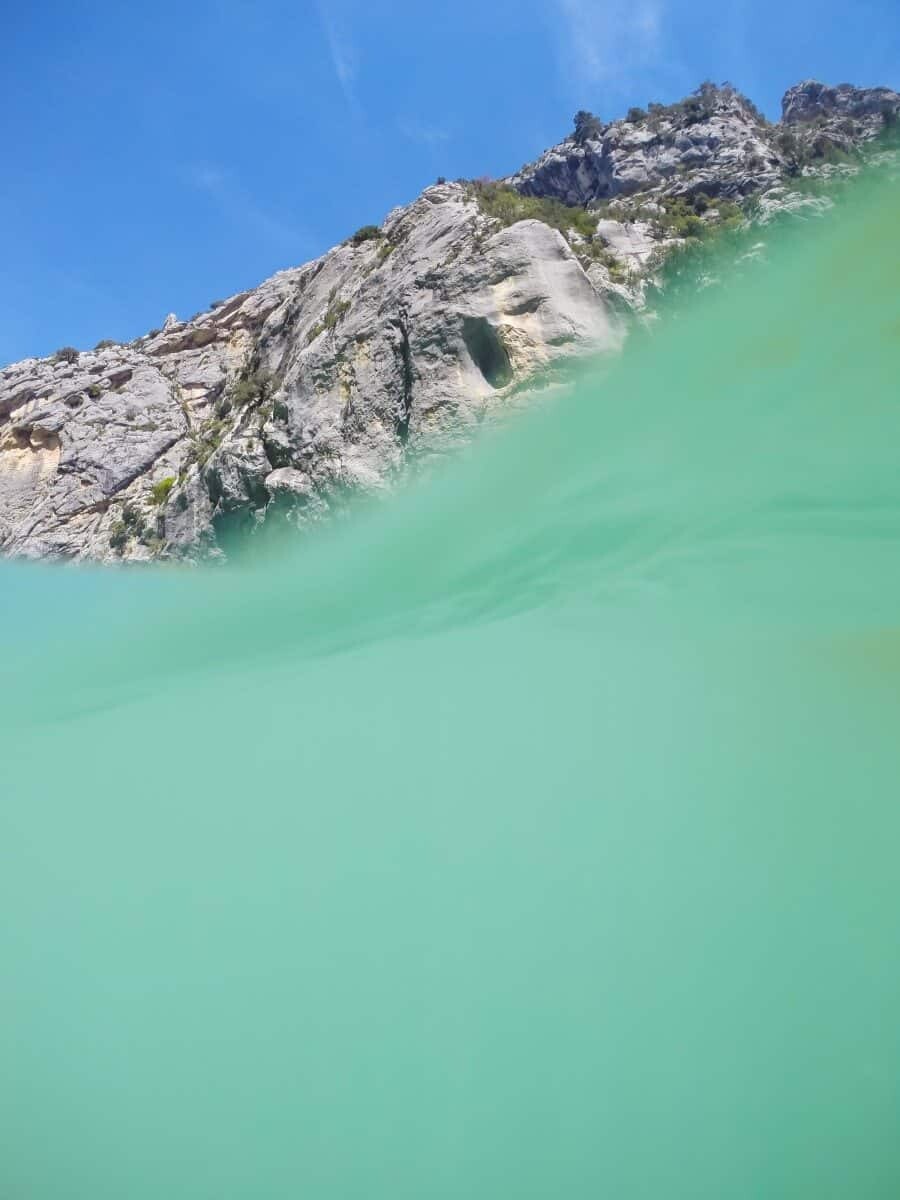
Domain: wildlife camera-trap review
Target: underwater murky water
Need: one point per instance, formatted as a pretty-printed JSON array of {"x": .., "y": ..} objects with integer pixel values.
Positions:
[{"x": 535, "y": 833}]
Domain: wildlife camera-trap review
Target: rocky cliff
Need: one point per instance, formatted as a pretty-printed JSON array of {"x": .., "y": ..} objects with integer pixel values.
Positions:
[{"x": 329, "y": 375}]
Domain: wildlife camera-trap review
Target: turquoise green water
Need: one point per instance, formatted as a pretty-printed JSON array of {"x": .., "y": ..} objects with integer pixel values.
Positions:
[{"x": 534, "y": 833}]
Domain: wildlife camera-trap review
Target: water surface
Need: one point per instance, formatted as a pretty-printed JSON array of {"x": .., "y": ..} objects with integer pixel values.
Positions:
[{"x": 534, "y": 833}]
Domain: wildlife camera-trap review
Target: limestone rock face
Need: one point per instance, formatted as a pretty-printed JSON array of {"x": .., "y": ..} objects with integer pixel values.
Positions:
[
  {"x": 715, "y": 142},
  {"x": 811, "y": 101},
  {"x": 322, "y": 378},
  {"x": 404, "y": 339}
]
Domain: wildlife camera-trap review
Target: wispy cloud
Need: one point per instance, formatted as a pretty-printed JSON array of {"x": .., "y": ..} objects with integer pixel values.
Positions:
[
  {"x": 206, "y": 177},
  {"x": 344, "y": 54},
  {"x": 606, "y": 42},
  {"x": 425, "y": 135},
  {"x": 225, "y": 189}
]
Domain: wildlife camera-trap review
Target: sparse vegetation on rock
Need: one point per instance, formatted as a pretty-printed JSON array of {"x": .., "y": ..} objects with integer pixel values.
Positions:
[
  {"x": 159, "y": 492},
  {"x": 251, "y": 388},
  {"x": 507, "y": 205},
  {"x": 587, "y": 126},
  {"x": 336, "y": 311},
  {"x": 118, "y": 535},
  {"x": 129, "y": 525},
  {"x": 368, "y": 233}
]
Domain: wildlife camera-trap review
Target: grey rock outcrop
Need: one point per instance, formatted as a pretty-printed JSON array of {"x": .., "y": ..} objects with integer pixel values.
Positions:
[
  {"x": 403, "y": 339},
  {"x": 814, "y": 101},
  {"x": 323, "y": 378},
  {"x": 715, "y": 142}
]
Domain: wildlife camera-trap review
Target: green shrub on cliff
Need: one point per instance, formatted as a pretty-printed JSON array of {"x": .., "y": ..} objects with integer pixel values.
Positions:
[
  {"x": 508, "y": 206},
  {"x": 368, "y": 233},
  {"x": 159, "y": 492}
]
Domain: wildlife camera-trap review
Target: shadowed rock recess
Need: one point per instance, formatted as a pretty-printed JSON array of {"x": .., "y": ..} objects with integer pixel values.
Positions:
[{"x": 403, "y": 339}]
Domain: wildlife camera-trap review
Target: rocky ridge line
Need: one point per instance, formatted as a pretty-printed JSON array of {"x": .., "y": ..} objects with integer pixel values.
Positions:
[{"x": 403, "y": 339}]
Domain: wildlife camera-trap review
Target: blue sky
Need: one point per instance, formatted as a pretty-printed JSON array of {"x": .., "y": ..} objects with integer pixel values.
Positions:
[{"x": 158, "y": 156}]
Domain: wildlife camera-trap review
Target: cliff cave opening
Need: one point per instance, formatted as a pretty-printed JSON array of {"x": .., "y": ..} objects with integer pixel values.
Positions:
[{"x": 487, "y": 351}]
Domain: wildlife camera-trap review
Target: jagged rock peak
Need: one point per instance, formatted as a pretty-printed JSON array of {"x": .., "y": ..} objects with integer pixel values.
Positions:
[
  {"x": 713, "y": 141},
  {"x": 811, "y": 100}
]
